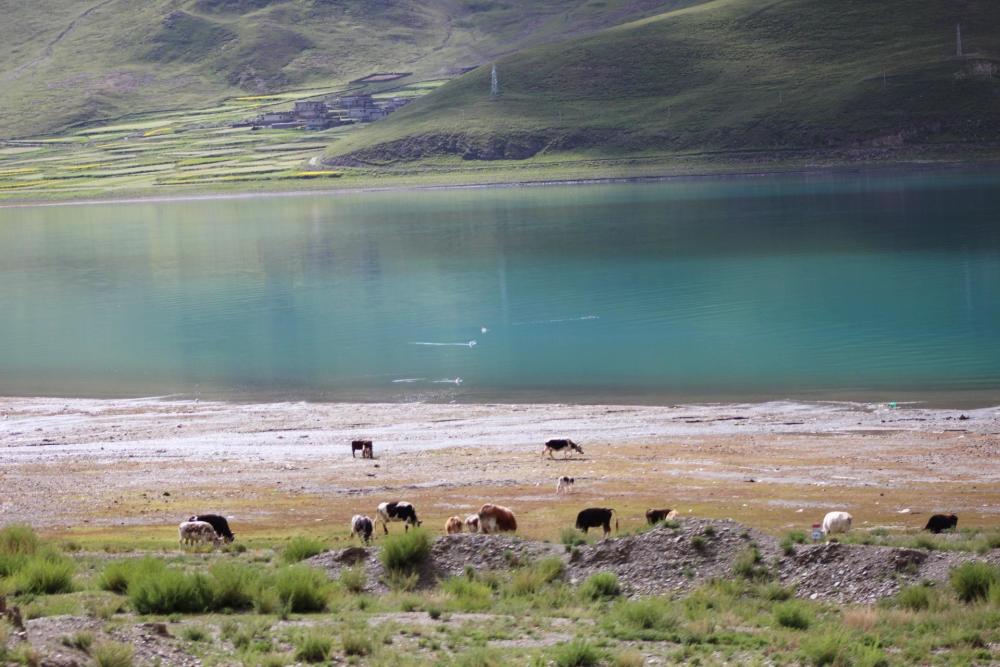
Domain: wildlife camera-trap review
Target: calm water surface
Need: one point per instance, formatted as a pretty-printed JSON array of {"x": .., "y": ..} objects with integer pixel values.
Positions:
[{"x": 865, "y": 287}]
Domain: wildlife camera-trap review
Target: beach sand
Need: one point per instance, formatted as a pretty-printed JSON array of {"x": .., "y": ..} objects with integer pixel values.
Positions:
[{"x": 82, "y": 466}]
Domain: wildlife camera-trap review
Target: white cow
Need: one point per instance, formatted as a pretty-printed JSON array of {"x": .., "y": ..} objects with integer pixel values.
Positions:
[
  {"x": 472, "y": 523},
  {"x": 195, "y": 532},
  {"x": 837, "y": 522}
]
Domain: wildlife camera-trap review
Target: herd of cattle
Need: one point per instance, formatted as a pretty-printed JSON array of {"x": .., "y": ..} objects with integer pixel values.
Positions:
[{"x": 213, "y": 528}]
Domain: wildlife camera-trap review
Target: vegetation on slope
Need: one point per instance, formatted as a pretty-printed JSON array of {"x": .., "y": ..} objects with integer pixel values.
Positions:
[
  {"x": 727, "y": 75},
  {"x": 69, "y": 62}
]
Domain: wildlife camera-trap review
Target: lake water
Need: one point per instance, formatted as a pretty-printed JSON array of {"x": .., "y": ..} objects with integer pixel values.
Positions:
[{"x": 883, "y": 287}]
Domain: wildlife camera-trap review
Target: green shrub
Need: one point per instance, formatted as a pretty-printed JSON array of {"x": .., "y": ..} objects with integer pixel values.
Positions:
[
  {"x": 301, "y": 589},
  {"x": 405, "y": 551},
  {"x": 234, "y": 586},
  {"x": 869, "y": 656},
  {"x": 600, "y": 585},
  {"x": 774, "y": 592},
  {"x": 749, "y": 565},
  {"x": 994, "y": 596},
  {"x": 972, "y": 581},
  {"x": 398, "y": 580},
  {"x": 353, "y": 579},
  {"x": 18, "y": 540},
  {"x": 792, "y": 615},
  {"x": 313, "y": 647},
  {"x": 571, "y": 537},
  {"x": 113, "y": 654},
  {"x": 44, "y": 574},
  {"x": 480, "y": 657},
  {"x": 629, "y": 659},
  {"x": 168, "y": 591},
  {"x": 469, "y": 595},
  {"x": 356, "y": 642},
  {"x": 649, "y": 619},
  {"x": 195, "y": 633},
  {"x": 915, "y": 598},
  {"x": 116, "y": 575},
  {"x": 829, "y": 648},
  {"x": 81, "y": 641},
  {"x": 531, "y": 579},
  {"x": 699, "y": 544},
  {"x": 301, "y": 547},
  {"x": 925, "y": 542},
  {"x": 577, "y": 653}
]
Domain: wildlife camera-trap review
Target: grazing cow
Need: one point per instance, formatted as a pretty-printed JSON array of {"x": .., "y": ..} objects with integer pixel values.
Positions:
[
  {"x": 362, "y": 526},
  {"x": 560, "y": 445},
  {"x": 564, "y": 485},
  {"x": 656, "y": 516},
  {"x": 363, "y": 446},
  {"x": 837, "y": 522},
  {"x": 454, "y": 525},
  {"x": 397, "y": 511},
  {"x": 496, "y": 519},
  {"x": 592, "y": 517},
  {"x": 194, "y": 532},
  {"x": 472, "y": 523},
  {"x": 941, "y": 522},
  {"x": 217, "y": 522}
]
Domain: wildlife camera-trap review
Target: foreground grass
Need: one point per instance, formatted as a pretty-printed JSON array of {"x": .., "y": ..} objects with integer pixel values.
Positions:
[{"x": 261, "y": 610}]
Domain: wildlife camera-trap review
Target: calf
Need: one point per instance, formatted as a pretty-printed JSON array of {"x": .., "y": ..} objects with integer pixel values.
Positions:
[
  {"x": 472, "y": 523},
  {"x": 564, "y": 485},
  {"x": 656, "y": 516},
  {"x": 219, "y": 523},
  {"x": 837, "y": 522},
  {"x": 397, "y": 511},
  {"x": 195, "y": 532},
  {"x": 592, "y": 517},
  {"x": 941, "y": 522},
  {"x": 363, "y": 446},
  {"x": 453, "y": 525},
  {"x": 560, "y": 445},
  {"x": 496, "y": 519},
  {"x": 362, "y": 526}
]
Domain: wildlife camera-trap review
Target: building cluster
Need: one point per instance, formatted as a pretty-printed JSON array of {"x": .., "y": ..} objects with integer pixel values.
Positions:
[{"x": 319, "y": 114}]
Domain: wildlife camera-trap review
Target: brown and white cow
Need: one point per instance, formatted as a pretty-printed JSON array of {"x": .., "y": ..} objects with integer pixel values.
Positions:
[
  {"x": 197, "y": 532},
  {"x": 453, "y": 525},
  {"x": 496, "y": 519},
  {"x": 654, "y": 516},
  {"x": 472, "y": 523}
]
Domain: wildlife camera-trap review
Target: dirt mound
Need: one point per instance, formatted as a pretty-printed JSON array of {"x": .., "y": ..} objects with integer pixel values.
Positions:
[
  {"x": 673, "y": 559},
  {"x": 680, "y": 557}
]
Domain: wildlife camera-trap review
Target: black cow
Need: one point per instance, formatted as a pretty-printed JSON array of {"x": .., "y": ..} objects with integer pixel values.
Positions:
[
  {"x": 219, "y": 524},
  {"x": 559, "y": 445},
  {"x": 941, "y": 522},
  {"x": 362, "y": 527},
  {"x": 592, "y": 517},
  {"x": 396, "y": 511},
  {"x": 363, "y": 446}
]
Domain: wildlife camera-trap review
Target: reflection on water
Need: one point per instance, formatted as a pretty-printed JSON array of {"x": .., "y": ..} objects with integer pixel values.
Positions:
[{"x": 853, "y": 287}]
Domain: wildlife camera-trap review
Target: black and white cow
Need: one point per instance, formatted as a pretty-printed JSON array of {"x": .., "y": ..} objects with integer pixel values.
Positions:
[
  {"x": 561, "y": 445},
  {"x": 219, "y": 523},
  {"x": 594, "y": 517},
  {"x": 564, "y": 484},
  {"x": 397, "y": 511},
  {"x": 362, "y": 526}
]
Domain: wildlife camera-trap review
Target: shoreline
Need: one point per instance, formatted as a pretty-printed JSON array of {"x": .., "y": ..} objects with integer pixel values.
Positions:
[
  {"x": 842, "y": 169},
  {"x": 89, "y": 465}
]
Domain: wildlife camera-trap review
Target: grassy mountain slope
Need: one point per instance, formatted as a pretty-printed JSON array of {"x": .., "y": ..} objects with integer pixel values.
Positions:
[
  {"x": 727, "y": 75},
  {"x": 65, "y": 62}
]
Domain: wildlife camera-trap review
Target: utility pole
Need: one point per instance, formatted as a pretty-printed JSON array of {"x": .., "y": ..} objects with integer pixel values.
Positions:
[
  {"x": 494, "y": 82},
  {"x": 958, "y": 40}
]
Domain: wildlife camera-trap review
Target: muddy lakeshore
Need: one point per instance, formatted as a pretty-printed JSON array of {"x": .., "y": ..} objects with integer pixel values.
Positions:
[{"x": 81, "y": 466}]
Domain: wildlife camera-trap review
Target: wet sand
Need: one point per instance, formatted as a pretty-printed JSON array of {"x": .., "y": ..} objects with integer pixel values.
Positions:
[{"x": 82, "y": 465}]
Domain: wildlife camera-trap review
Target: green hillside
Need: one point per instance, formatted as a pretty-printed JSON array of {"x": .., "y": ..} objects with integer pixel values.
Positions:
[
  {"x": 70, "y": 62},
  {"x": 861, "y": 79}
]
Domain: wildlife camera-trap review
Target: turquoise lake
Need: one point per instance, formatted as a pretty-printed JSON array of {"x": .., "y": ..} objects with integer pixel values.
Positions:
[{"x": 864, "y": 287}]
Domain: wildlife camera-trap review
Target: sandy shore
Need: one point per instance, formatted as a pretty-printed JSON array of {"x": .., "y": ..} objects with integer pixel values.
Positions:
[{"x": 276, "y": 467}]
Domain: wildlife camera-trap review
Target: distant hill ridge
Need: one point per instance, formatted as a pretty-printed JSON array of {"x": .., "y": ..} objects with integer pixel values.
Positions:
[
  {"x": 66, "y": 62},
  {"x": 855, "y": 78}
]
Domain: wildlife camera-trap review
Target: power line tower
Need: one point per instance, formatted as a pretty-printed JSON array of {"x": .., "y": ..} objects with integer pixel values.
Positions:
[{"x": 494, "y": 82}]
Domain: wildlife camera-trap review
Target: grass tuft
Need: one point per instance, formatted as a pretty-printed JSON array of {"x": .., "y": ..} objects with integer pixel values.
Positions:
[
  {"x": 300, "y": 548},
  {"x": 356, "y": 642},
  {"x": 601, "y": 585},
  {"x": 313, "y": 647},
  {"x": 577, "y": 653},
  {"x": 792, "y": 615},
  {"x": 353, "y": 579},
  {"x": 302, "y": 589},
  {"x": 168, "y": 591},
  {"x": 972, "y": 581},
  {"x": 405, "y": 551},
  {"x": 113, "y": 654}
]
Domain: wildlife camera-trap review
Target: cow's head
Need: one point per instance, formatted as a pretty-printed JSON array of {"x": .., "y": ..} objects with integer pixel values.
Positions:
[{"x": 576, "y": 447}]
